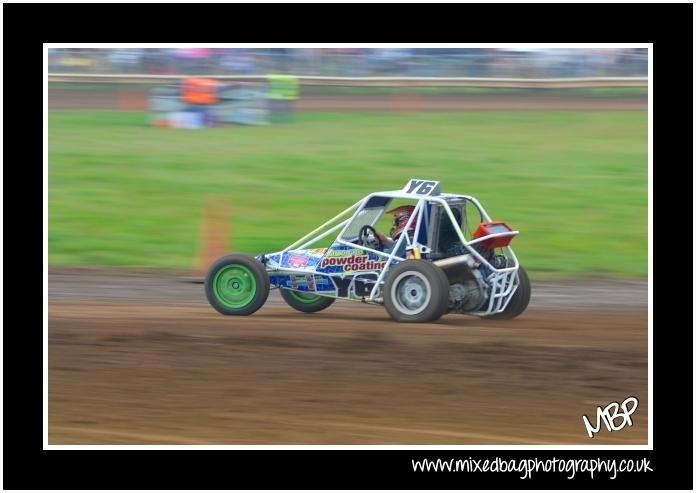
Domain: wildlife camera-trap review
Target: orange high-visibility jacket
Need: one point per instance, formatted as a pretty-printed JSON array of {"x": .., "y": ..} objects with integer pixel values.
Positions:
[{"x": 199, "y": 91}]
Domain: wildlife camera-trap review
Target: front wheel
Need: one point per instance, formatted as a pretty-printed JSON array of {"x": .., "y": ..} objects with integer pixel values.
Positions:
[
  {"x": 416, "y": 291},
  {"x": 306, "y": 302},
  {"x": 237, "y": 285},
  {"x": 519, "y": 301}
]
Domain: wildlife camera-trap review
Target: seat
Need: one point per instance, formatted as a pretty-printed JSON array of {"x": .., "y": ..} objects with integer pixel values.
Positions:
[{"x": 448, "y": 242}]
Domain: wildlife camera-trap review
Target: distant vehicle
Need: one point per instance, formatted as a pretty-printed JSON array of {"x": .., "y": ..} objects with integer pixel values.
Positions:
[{"x": 439, "y": 266}]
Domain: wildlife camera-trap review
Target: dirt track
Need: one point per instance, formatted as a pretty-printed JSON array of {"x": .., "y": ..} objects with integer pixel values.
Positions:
[{"x": 152, "y": 371}]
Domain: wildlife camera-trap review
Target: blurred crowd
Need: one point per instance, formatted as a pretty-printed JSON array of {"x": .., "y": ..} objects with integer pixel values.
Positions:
[{"x": 355, "y": 62}]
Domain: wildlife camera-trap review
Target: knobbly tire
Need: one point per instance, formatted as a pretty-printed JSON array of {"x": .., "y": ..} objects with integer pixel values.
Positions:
[
  {"x": 306, "y": 302},
  {"x": 237, "y": 284},
  {"x": 519, "y": 302}
]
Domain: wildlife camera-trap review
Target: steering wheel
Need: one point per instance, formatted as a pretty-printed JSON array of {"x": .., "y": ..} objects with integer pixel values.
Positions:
[{"x": 368, "y": 237}]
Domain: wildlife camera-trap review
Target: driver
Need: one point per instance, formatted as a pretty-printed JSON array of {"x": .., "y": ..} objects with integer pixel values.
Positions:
[{"x": 401, "y": 216}]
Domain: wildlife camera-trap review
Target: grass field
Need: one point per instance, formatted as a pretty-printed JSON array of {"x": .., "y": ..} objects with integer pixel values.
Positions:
[{"x": 125, "y": 194}]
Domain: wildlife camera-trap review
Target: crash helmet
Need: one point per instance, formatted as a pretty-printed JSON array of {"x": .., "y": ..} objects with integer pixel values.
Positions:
[{"x": 401, "y": 216}]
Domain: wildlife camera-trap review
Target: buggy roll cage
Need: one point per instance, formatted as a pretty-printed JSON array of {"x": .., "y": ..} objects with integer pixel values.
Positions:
[{"x": 503, "y": 281}]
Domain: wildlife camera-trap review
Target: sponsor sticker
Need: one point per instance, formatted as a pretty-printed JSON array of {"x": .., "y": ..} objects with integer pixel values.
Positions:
[
  {"x": 354, "y": 263},
  {"x": 303, "y": 259},
  {"x": 300, "y": 282},
  {"x": 345, "y": 259},
  {"x": 297, "y": 261}
]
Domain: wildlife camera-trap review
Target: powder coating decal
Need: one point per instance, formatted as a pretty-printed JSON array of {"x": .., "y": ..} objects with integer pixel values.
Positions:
[{"x": 347, "y": 259}]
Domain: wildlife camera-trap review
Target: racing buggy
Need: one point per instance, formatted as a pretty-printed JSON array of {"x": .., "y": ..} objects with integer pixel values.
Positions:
[{"x": 448, "y": 256}]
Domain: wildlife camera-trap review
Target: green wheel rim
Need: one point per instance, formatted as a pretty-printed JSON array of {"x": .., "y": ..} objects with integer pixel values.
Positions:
[
  {"x": 305, "y": 298},
  {"x": 234, "y": 286}
]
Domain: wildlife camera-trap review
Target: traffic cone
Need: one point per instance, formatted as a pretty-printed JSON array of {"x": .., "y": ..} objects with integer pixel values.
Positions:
[{"x": 214, "y": 233}]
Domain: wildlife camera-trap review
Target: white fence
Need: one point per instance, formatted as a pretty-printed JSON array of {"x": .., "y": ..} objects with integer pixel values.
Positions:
[{"x": 372, "y": 62}]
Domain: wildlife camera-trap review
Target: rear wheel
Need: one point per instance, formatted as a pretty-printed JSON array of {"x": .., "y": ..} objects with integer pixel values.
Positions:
[
  {"x": 306, "y": 302},
  {"x": 416, "y": 291},
  {"x": 520, "y": 300},
  {"x": 237, "y": 285}
]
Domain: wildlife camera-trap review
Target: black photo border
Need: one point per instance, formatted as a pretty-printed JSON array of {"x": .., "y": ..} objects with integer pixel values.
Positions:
[{"x": 26, "y": 26}]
